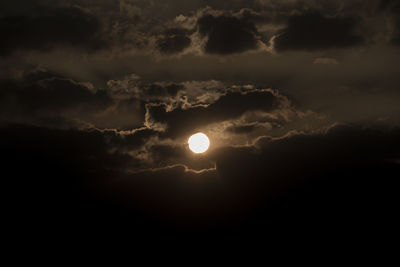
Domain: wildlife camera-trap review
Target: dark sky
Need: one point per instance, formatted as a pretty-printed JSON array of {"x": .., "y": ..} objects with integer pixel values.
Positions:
[{"x": 300, "y": 99}]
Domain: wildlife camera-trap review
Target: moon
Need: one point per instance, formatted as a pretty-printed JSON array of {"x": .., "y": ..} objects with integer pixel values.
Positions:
[{"x": 199, "y": 143}]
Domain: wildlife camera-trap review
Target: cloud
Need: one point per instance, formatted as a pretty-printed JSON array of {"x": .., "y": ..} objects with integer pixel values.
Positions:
[
  {"x": 341, "y": 146},
  {"x": 313, "y": 31},
  {"x": 326, "y": 61},
  {"x": 52, "y": 171},
  {"x": 51, "y": 27},
  {"x": 221, "y": 32},
  {"x": 149, "y": 175},
  {"x": 137, "y": 27},
  {"x": 346, "y": 172},
  {"x": 130, "y": 140},
  {"x": 173, "y": 41},
  {"x": 87, "y": 143},
  {"x": 394, "y": 8},
  {"x": 48, "y": 99},
  {"x": 227, "y": 34},
  {"x": 133, "y": 86},
  {"x": 329, "y": 174},
  {"x": 54, "y": 94},
  {"x": 392, "y": 4},
  {"x": 176, "y": 110},
  {"x": 180, "y": 121},
  {"x": 242, "y": 129}
]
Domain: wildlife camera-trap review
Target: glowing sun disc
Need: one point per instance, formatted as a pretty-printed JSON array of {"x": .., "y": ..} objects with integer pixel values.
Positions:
[{"x": 199, "y": 143}]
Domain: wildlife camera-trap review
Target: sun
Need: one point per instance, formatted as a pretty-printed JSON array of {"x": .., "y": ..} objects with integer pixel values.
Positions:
[{"x": 199, "y": 143}]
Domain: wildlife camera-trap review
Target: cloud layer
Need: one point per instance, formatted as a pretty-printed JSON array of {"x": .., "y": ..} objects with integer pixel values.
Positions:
[
  {"x": 49, "y": 28},
  {"x": 299, "y": 99}
]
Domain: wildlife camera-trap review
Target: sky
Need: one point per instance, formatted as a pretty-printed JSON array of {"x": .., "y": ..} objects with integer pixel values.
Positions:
[{"x": 299, "y": 98}]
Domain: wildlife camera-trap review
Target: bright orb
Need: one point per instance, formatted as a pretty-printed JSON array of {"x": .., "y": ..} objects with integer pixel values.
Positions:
[{"x": 199, "y": 143}]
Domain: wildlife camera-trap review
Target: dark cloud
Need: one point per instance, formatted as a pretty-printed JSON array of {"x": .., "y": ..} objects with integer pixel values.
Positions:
[
  {"x": 157, "y": 90},
  {"x": 396, "y": 39},
  {"x": 54, "y": 94},
  {"x": 49, "y": 27},
  {"x": 313, "y": 31},
  {"x": 133, "y": 86},
  {"x": 173, "y": 41},
  {"x": 42, "y": 95},
  {"x": 314, "y": 154},
  {"x": 393, "y": 5},
  {"x": 181, "y": 121},
  {"x": 52, "y": 174},
  {"x": 345, "y": 174},
  {"x": 49, "y": 99},
  {"x": 95, "y": 139},
  {"x": 394, "y": 8},
  {"x": 332, "y": 174},
  {"x": 241, "y": 129},
  {"x": 74, "y": 149},
  {"x": 228, "y": 34},
  {"x": 133, "y": 140}
]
